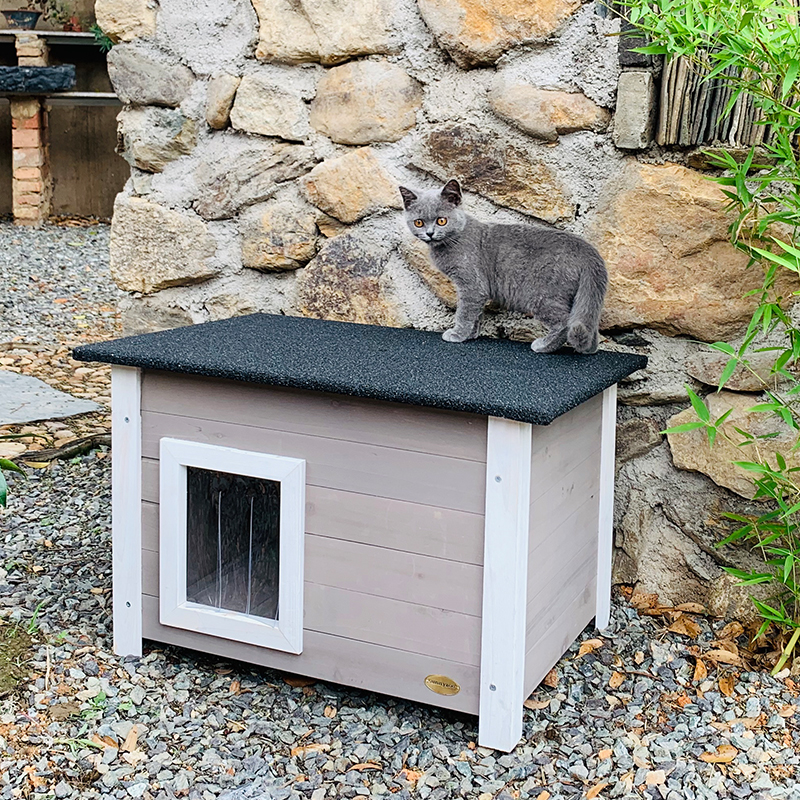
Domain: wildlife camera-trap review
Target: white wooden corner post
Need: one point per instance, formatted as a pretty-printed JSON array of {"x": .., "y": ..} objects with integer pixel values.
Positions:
[
  {"x": 605, "y": 540},
  {"x": 505, "y": 583},
  {"x": 126, "y": 508}
]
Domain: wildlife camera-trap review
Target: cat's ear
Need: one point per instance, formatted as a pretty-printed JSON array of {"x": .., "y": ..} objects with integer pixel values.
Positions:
[
  {"x": 452, "y": 193},
  {"x": 408, "y": 196}
]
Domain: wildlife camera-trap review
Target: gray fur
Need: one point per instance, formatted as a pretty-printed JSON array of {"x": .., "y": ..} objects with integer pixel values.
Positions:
[{"x": 549, "y": 274}]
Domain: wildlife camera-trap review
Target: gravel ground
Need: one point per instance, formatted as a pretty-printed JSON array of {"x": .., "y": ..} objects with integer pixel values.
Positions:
[
  {"x": 55, "y": 285},
  {"x": 175, "y": 723},
  {"x": 640, "y": 711}
]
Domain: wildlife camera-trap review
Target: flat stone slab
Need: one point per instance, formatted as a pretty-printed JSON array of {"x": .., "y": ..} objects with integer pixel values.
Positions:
[{"x": 27, "y": 399}]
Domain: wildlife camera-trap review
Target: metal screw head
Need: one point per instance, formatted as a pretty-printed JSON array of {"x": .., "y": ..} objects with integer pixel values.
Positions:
[
  {"x": 127, "y": 419},
  {"x": 127, "y": 605},
  {"x": 498, "y": 478},
  {"x": 492, "y": 687}
]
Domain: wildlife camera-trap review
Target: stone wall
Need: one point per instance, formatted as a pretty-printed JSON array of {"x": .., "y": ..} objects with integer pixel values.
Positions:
[{"x": 267, "y": 138}]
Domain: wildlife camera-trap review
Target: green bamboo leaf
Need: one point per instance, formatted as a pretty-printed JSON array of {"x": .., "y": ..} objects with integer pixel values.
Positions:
[
  {"x": 722, "y": 417},
  {"x": 790, "y": 77},
  {"x": 687, "y": 426},
  {"x": 3, "y": 490},
  {"x": 730, "y": 368},
  {"x": 751, "y": 466},
  {"x": 10, "y": 466},
  {"x": 723, "y": 347},
  {"x": 700, "y": 408}
]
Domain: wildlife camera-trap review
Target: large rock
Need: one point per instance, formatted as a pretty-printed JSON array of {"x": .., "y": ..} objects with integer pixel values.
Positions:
[
  {"x": 278, "y": 236},
  {"x": 153, "y": 247},
  {"x": 329, "y": 31},
  {"x": 486, "y": 164},
  {"x": 663, "y": 381},
  {"x": 478, "y": 32},
  {"x": 125, "y": 20},
  {"x": 261, "y": 107},
  {"x": 151, "y": 137},
  {"x": 417, "y": 255},
  {"x": 347, "y": 281},
  {"x": 246, "y": 172},
  {"x": 707, "y": 367},
  {"x": 352, "y": 186},
  {"x": 546, "y": 113},
  {"x": 691, "y": 450},
  {"x": 140, "y": 79},
  {"x": 250, "y": 293},
  {"x": 366, "y": 101},
  {"x": 667, "y": 526},
  {"x": 219, "y": 101},
  {"x": 159, "y": 312},
  {"x": 663, "y": 232}
]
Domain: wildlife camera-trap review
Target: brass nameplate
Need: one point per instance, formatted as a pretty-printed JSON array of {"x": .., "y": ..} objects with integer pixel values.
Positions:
[{"x": 441, "y": 684}]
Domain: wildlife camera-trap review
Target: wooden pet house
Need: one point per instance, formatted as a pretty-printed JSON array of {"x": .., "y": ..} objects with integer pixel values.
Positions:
[{"x": 369, "y": 506}]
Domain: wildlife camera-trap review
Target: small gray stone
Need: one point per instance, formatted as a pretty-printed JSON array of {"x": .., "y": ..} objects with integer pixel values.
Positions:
[
  {"x": 636, "y": 102},
  {"x": 143, "y": 80},
  {"x": 152, "y": 137},
  {"x": 752, "y": 707},
  {"x": 636, "y": 437},
  {"x": 63, "y": 789},
  {"x": 221, "y": 91}
]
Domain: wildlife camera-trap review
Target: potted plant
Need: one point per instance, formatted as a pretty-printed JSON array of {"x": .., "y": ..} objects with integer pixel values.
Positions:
[
  {"x": 60, "y": 12},
  {"x": 25, "y": 19}
]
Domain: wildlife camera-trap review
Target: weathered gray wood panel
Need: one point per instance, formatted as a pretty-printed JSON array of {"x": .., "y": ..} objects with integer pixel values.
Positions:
[
  {"x": 564, "y": 518},
  {"x": 559, "y": 546},
  {"x": 558, "y": 448},
  {"x": 564, "y": 500},
  {"x": 562, "y": 584},
  {"x": 368, "y": 618},
  {"x": 331, "y": 658},
  {"x": 374, "y": 570},
  {"x": 351, "y": 466},
  {"x": 545, "y": 652},
  {"x": 87, "y": 171},
  {"x": 333, "y": 416}
]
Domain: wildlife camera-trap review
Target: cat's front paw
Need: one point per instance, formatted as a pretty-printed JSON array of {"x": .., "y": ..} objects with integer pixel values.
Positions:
[{"x": 452, "y": 335}]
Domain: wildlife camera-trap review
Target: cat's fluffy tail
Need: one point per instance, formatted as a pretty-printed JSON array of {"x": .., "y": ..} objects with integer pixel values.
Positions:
[{"x": 584, "y": 318}]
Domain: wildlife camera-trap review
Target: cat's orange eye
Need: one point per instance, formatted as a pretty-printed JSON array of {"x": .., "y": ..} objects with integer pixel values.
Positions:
[
  {"x": 441, "y": 221},
  {"x": 419, "y": 223}
]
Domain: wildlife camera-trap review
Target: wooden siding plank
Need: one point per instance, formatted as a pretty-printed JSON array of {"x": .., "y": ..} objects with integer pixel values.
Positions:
[
  {"x": 350, "y": 466},
  {"x": 371, "y": 570},
  {"x": 555, "y": 640},
  {"x": 363, "y": 665},
  {"x": 376, "y": 571},
  {"x": 566, "y": 447},
  {"x": 569, "y": 582},
  {"x": 393, "y": 524},
  {"x": 551, "y": 556},
  {"x": 425, "y": 430},
  {"x": 551, "y": 510},
  {"x": 391, "y": 623}
]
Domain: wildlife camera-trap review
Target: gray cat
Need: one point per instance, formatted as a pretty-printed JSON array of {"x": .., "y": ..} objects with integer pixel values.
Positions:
[{"x": 550, "y": 274}]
